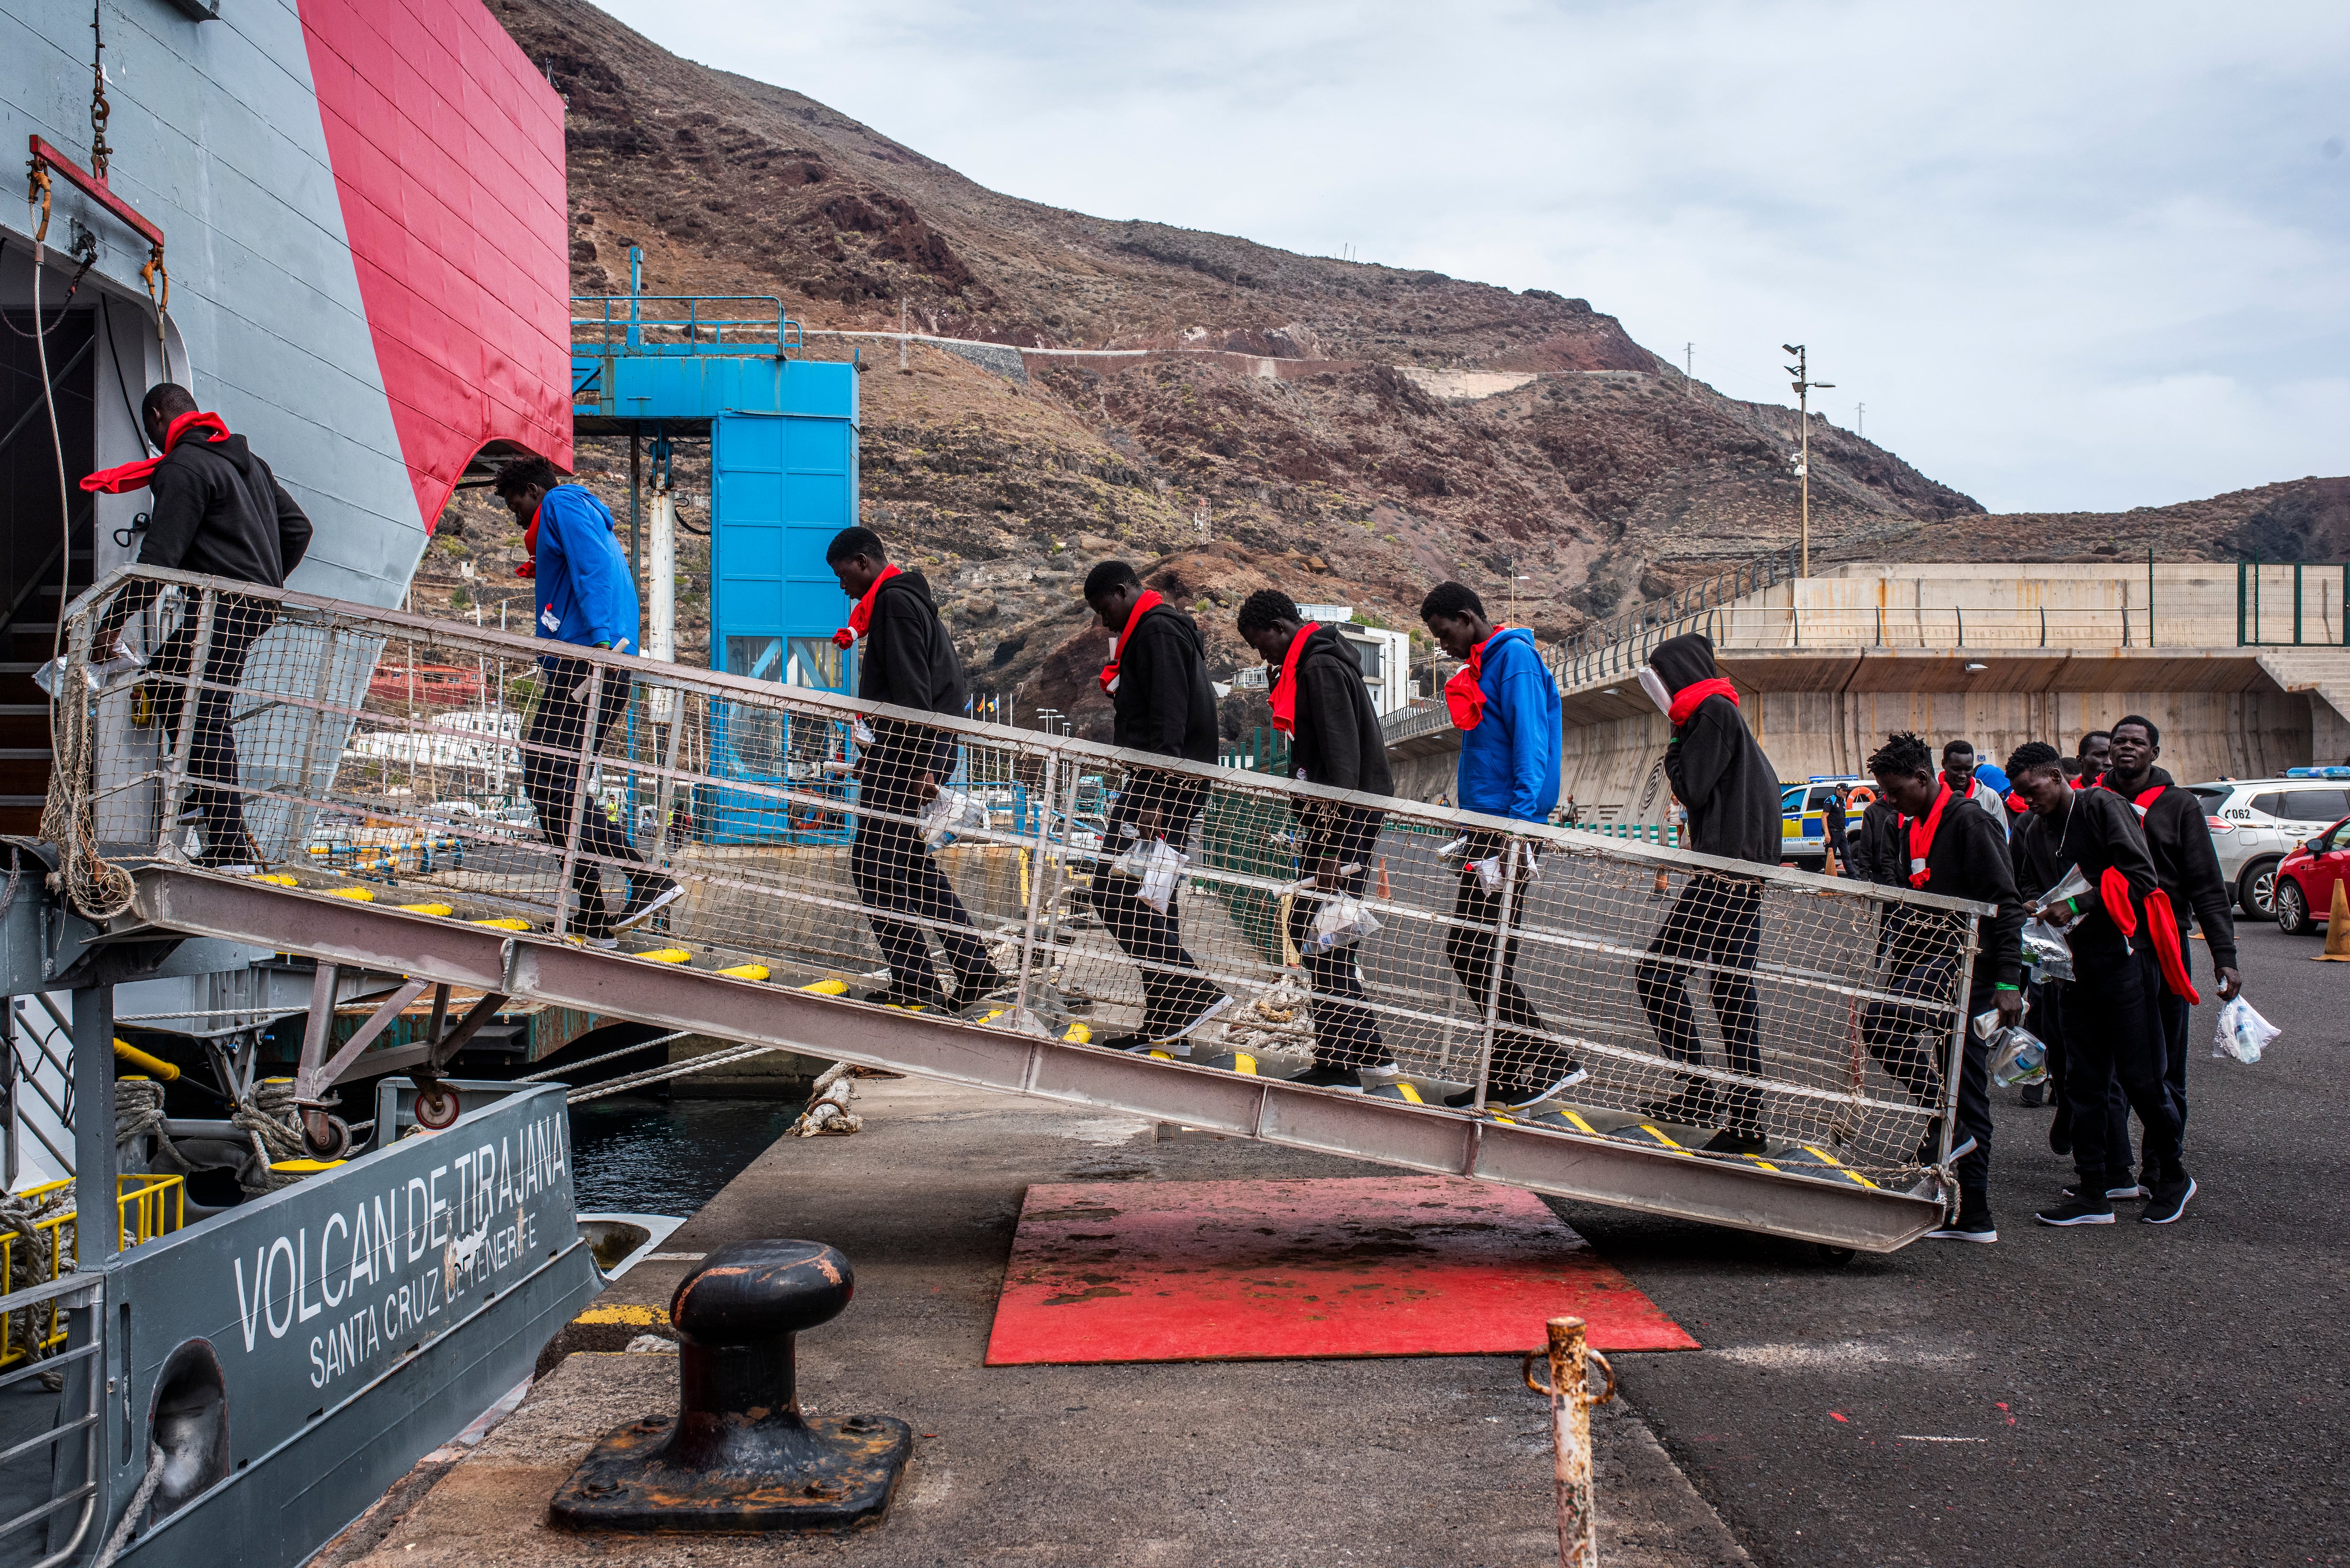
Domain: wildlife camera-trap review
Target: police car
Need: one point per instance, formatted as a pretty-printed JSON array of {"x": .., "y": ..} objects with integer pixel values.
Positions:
[
  {"x": 1803, "y": 817},
  {"x": 2256, "y": 823}
]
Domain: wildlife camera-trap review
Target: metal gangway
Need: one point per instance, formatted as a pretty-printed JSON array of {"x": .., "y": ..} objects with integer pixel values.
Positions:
[{"x": 770, "y": 946}]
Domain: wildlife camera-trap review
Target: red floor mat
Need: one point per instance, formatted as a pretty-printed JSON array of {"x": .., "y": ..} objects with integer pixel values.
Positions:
[{"x": 1224, "y": 1271}]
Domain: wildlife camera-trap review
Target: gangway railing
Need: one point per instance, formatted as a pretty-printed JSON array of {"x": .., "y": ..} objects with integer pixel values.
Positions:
[{"x": 771, "y": 943}]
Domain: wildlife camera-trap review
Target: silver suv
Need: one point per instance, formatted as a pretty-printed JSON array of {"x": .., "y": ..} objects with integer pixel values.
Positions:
[{"x": 2255, "y": 822}]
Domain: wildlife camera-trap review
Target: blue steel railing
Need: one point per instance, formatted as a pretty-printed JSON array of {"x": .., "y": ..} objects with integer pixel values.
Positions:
[{"x": 679, "y": 323}]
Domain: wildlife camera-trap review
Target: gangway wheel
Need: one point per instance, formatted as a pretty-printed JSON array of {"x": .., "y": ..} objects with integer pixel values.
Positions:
[
  {"x": 436, "y": 1106},
  {"x": 1834, "y": 1256},
  {"x": 327, "y": 1136}
]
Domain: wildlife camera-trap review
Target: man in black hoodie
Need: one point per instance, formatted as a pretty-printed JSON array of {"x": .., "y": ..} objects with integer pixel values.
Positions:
[
  {"x": 1952, "y": 848},
  {"x": 218, "y": 509},
  {"x": 908, "y": 662},
  {"x": 1161, "y": 701},
  {"x": 2111, "y": 1030},
  {"x": 1320, "y": 702},
  {"x": 1732, "y": 793},
  {"x": 2179, "y": 839}
]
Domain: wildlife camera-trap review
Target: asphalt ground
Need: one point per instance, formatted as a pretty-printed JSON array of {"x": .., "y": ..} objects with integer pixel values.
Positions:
[{"x": 2121, "y": 1394}]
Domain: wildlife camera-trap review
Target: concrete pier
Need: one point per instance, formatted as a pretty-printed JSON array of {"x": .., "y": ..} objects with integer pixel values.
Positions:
[{"x": 1415, "y": 1460}]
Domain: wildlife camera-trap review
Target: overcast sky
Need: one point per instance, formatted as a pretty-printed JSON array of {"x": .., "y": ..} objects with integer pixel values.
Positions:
[{"x": 2075, "y": 257}]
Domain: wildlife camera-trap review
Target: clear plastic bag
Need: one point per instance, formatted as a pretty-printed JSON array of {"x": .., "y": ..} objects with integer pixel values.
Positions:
[
  {"x": 2019, "y": 1057},
  {"x": 2046, "y": 953},
  {"x": 2242, "y": 1035},
  {"x": 1157, "y": 867},
  {"x": 950, "y": 815},
  {"x": 2072, "y": 885},
  {"x": 1340, "y": 922},
  {"x": 1489, "y": 871}
]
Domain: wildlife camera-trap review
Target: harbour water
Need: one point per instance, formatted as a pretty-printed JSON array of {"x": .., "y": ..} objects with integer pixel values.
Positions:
[{"x": 636, "y": 1154}]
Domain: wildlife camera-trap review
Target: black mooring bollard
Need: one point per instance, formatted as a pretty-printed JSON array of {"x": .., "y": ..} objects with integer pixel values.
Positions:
[{"x": 738, "y": 1455}]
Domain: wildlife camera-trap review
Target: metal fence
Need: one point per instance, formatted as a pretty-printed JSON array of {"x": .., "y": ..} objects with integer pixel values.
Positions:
[{"x": 1693, "y": 992}]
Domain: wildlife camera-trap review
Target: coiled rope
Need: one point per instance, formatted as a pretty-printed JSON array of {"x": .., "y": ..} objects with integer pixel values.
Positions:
[{"x": 271, "y": 1122}]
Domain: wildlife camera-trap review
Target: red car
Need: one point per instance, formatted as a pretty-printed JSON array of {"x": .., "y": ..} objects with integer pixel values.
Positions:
[{"x": 2305, "y": 879}]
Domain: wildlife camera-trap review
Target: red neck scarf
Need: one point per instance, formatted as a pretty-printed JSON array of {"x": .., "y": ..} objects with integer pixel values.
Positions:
[
  {"x": 1463, "y": 694},
  {"x": 530, "y": 569},
  {"x": 1921, "y": 837},
  {"x": 860, "y": 619},
  {"x": 1148, "y": 600},
  {"x": 1686, "y": 699},
  {"x": 2146, "y": 797},
  {"x": 134, "y": 476},
  {"x": 1285, "y": 689}
]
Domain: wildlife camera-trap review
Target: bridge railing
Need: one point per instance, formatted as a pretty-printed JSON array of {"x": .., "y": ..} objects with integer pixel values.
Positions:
[{"x": 1694, "y": 990}]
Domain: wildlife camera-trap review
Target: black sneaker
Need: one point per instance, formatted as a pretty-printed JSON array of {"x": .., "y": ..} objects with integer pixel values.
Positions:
[
  {"x": 1695, "y": 1106},
  {"x": 994, "y": 985},
  {"x": 2123, "y": 1191},
  {"x": 1318, "y": 1076},
  {"x": 648, "y": 895},
  {"x": 908, "y": 996},
  {"x": 2169, "y": 1200},
  {"x": 1731, "y": 1141},
  {"x": 2079, "y": 1211},
  {"x": 1214, "y": 1008},
  {"x": 2032, "y": 1097},
  {"x": 1557, "y": 1081},
  {"x": 1973, "y": 1222}
]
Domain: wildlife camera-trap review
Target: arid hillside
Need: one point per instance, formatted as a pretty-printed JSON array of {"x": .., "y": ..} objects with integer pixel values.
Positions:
[{"x": 1348, "y": 431}]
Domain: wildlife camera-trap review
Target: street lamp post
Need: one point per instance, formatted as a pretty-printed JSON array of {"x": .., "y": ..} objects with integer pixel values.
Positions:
[{"x": 1801, "y": 370}]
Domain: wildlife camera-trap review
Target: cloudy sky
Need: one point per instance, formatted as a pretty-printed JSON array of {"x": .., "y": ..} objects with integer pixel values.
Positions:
[{"x": 2089, "y": 256}]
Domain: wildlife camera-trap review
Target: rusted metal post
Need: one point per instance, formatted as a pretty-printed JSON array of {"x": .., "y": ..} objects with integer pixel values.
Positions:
[{"x": 1571, "y": 1404}]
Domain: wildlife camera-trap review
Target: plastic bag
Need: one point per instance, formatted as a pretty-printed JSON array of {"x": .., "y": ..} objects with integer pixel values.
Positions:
[
  {"x": 950, "y": 813},
  {"x": 2242, "y": 1033},
  {"x": 1489, "y": 871},
  {"x": 2020, "y": 1057},
  {"x": 2072, "y": 885},
  {"x": 1157, "y": 867},
  {"x": 1340, "y": 922},
  {"x": 125, "y": 660},
  {"x": 2046, "y": 953}
]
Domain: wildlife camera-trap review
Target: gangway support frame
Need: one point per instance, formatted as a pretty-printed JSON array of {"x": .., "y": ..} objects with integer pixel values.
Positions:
[{"x": 1873, "y": 1219}]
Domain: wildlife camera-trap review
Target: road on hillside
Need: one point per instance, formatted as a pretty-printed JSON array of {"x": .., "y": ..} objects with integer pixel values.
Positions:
[{"x": 2128, "y": 1394}]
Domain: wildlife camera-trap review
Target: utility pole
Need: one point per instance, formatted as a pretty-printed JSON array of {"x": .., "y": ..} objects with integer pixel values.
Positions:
[
  {"x": 1801, "y": 370},
  {"x": 1689, "y": 372},
  {"x": 904, "y": 368},
  {"x": 1860, "y": 420}
]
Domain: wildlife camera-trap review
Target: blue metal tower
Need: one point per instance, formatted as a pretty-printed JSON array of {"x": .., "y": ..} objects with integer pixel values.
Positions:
[{"x": 782, "y": 464}]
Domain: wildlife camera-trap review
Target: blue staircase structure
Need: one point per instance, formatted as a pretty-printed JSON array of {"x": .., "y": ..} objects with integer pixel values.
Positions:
[{"x": 783, "y": 445}]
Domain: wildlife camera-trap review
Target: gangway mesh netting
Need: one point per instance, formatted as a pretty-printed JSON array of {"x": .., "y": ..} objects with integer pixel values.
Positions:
[{"x": 394, "y": 759}]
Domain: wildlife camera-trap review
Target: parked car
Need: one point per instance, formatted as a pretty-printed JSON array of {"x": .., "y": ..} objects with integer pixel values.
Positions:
[
  {"x": 1802, "y": 819},
  {"x": 2256, "y": 823},
  {"x": 2305, "y": 879}
]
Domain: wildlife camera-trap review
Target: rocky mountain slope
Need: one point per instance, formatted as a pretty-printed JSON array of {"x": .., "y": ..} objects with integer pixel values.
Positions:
[{"x": 1347, "y": 432}]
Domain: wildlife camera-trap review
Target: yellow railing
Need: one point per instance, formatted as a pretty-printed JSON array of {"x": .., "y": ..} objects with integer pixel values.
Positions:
[{"x": 146, "y": 1207}]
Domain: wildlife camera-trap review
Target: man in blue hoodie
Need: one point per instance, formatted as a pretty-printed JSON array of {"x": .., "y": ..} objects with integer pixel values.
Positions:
[
  {"x": 1506, "y": 705},
  {"x": 587, "y": 598}
]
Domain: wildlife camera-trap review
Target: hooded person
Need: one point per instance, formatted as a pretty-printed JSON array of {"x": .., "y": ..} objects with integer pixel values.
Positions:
[
  {"x": 1506, "y": 705},
  {"x": 1161, "y": 701},
  {"x": 2112, "y": 1033},
  {"x": 908, "y": 662},
  {"x": 1731, "y": 794},
  {"x": 217, "y": 509},
  {"x": 1320, "y": 702},
  {"x": 587, "y": 598}
]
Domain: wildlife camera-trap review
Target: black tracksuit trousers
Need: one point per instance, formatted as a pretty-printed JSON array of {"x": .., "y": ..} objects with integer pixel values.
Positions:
[
  {"x": 1908, "y": 1040},
  {"x": 2113, "y": 1036},
  {"x": 1346, "y": 1035},
  {"x": 1716, "y": 921},
  {"x": 552, "y": 778},
  {"x": 895, "y": 878}
]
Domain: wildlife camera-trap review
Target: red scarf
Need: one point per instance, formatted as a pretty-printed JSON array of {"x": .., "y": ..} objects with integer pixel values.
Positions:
[
  {"x": 1686, "y": 699},
  {"x": 134, "y": 476},
  {"x": 1285, "y": 689},
  {"x": 2146, "y": 797},
  {"x": 1463, "y": 694},
  {"x": 860, "y": 619},
  {"x": 1921, "y": 834},
  {"x": 1149, "y": 600},
  {"x": 530, "y": 543}
]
